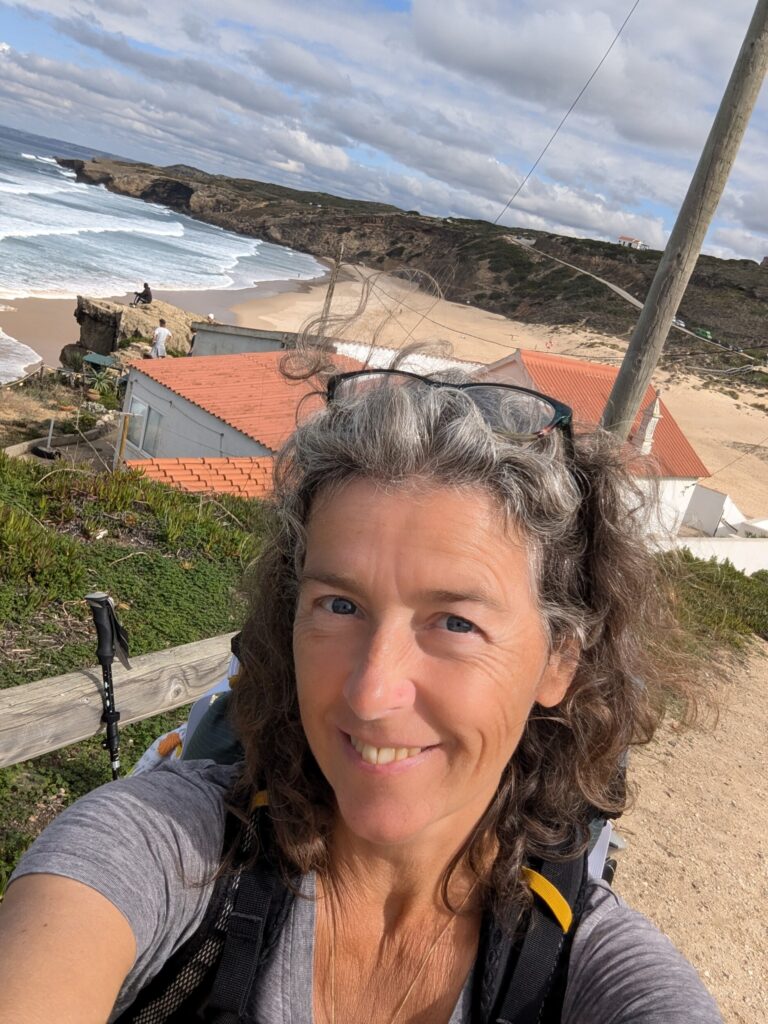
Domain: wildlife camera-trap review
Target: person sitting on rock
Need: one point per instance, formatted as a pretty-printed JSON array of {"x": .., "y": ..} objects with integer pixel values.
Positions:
[{"x": 144, "y": 297}]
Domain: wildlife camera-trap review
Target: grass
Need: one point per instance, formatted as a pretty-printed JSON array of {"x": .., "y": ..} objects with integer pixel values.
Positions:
[
  {"x": 718, "y": 606},
  {"x": 172, "y": 561}
]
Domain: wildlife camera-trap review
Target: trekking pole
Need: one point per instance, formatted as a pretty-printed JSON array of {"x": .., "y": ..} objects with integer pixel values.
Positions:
[{"x": 112, "y": 640}]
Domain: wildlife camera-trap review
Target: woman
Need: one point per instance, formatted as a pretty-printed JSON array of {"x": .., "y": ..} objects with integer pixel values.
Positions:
[{"x": 441, "y": 673}]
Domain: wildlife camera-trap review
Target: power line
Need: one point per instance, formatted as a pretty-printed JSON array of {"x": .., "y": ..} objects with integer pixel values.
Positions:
[
  {"x": 539, "y": 158},
  {"x": 567, "y": 114},
  {"x": 740, "y": 457}
]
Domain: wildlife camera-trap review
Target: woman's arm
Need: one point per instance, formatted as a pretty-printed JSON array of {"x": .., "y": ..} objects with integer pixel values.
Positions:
[{"x": 65, "y": 951}]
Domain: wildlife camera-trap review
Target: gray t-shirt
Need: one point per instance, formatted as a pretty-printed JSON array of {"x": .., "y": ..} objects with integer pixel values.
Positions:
[{"x": 151, "y": 844}]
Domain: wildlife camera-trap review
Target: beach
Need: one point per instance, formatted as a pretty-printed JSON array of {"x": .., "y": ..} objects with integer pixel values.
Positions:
[
  {"x": 47, "y": 325},
  {"x": 729, "y": 434}
]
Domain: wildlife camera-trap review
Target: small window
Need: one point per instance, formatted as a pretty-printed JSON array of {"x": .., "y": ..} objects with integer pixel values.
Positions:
[
  {"x": 152, "y": 432},
  {"x": 136, "y": 422}
]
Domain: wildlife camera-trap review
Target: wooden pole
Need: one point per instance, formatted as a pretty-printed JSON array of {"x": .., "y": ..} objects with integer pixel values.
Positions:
[
  {"x": 679, "y": 259},
  {"x": 120, "y": 446}
]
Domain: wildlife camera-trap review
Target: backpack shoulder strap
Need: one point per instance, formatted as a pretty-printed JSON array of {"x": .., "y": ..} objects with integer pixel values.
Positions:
[
  {"x": 259, "y": 909},
  {"x": 210, "y": 976},
  {"x": 524, "y": 978}
]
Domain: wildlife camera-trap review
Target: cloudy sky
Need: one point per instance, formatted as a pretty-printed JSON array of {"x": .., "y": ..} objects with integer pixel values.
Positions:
[{"x": 438, "y": 105}]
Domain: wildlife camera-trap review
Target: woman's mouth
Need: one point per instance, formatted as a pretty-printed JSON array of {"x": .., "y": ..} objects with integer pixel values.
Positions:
[{"x": 383, "y": 755}]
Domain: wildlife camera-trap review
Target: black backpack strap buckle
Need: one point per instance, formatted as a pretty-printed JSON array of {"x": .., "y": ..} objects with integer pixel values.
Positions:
[{"x": 241, "y": 956}]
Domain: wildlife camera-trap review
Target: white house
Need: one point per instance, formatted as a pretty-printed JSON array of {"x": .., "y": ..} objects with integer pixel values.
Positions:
[
  {"x": 211, "y": 406},
  {"x": 670, "y": 460}
]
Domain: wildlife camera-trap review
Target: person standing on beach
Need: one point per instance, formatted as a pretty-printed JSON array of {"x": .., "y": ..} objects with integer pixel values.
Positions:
[
  {"x": 144, "y": 297},
  {"x": 159, "y": 341}
]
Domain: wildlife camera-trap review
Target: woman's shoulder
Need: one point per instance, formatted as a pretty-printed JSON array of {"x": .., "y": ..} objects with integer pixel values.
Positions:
[
  {"x": 149, "y": 843},
  {"x": 155, "y": 809},
  {"x": 624, "y": 969}
]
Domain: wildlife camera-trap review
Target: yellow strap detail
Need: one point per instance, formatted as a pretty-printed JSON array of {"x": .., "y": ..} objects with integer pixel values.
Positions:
[
  {"x": 261, "y": 799},
  {"x": 552, "y": 896}
]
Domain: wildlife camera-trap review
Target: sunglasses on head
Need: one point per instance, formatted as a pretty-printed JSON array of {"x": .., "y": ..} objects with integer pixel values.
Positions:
[{"x": 517, "y": 412}]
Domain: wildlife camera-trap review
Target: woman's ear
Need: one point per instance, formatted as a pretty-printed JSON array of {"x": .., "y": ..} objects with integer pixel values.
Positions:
[{"x": 558, "y": 674}]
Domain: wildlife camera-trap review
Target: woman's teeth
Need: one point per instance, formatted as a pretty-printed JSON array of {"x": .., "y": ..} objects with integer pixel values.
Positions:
[{"x": 383, "y": 755}]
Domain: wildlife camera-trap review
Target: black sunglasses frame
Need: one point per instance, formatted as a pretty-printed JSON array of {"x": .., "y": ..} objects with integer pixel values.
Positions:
[{"x": 563, "y": 413}]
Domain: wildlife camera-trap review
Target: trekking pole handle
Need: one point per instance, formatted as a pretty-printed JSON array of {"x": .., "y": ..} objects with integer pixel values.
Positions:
[{"x": 98, "y": 602}]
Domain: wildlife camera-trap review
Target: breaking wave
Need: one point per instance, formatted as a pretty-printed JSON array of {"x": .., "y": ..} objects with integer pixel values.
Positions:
[{"x": 60, "y": 238}]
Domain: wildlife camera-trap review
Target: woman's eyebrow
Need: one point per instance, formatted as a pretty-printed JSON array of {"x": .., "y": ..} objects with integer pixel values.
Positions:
[
  {"x": 479, "y": 595},
  {"x": 331, "y": 579}
]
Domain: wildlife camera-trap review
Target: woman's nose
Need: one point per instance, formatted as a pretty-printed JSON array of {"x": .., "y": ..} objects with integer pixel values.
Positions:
[{"x": 383, "y": 680}]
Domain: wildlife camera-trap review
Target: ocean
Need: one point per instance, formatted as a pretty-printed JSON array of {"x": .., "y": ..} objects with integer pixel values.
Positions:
[{"x": 60, "y": 238}]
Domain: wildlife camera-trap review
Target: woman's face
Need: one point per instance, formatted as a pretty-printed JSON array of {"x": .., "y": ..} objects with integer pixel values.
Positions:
[{"x": 419, "y": 654}]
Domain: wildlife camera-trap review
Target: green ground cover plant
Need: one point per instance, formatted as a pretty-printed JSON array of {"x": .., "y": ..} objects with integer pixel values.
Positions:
[{"x": 172, "y": 561}]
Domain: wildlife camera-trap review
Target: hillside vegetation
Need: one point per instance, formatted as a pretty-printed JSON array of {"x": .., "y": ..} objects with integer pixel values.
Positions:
[
  {"x": 174, "y": 562},
  {"x": 472, "y": 260}
]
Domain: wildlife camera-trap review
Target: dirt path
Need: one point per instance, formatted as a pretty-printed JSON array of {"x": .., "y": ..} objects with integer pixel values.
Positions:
[{"x": 696, "y": 861}]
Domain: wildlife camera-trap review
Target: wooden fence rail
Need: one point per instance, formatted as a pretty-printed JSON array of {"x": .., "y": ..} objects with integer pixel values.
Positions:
[{"x": 36, "y": 718}]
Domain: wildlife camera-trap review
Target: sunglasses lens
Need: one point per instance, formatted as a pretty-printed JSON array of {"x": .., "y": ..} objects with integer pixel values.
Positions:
[
  {"x": 359, "y": 383},
  {"x": 515, "y": 412}
]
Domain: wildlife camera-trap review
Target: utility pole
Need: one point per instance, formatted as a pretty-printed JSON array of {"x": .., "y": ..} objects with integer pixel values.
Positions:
[{"x": 696, "y": 213}]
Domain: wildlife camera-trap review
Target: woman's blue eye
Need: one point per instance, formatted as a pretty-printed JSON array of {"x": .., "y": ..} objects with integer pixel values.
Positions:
[
  {"x": 341, "y": 606},
  {"x": 458, "y": 625}
]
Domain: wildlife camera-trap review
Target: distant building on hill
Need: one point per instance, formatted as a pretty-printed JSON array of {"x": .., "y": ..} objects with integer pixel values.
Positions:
[
  {"x": 765, "y": 262},
  {"x": 631, "y": 243}
]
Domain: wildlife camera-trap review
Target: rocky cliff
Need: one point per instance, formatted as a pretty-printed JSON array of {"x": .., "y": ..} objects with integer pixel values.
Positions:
[
  {"x": 471, "y": 260},
  {"x": 106, "y": 326}
]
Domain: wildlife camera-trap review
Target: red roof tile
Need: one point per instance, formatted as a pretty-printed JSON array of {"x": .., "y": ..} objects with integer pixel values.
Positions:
[
  {"x": 248, "y": 477},
  {"x": 586, "y": 387},
  {"x": 246, "y": 390}
]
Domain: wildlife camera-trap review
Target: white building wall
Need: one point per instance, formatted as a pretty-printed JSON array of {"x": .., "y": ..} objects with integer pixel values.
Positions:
[
  {"x": 185, "y": 430},
  {"x": 748, "y": 556},
  {"x": 714, "y": 513},
  {"x": 674, "y": 497}
]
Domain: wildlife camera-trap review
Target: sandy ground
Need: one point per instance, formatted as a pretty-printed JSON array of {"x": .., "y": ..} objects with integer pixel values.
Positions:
[
  {"x": 696, "y": 860},
  {"x": 398, "y": 312},
  {"x": 730, "y": 434}
]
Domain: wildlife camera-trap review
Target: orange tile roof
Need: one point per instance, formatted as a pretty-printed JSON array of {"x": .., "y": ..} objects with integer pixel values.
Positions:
[
  {"x": 586, "y": 387},
  {"x": 246, "y": 390},
  {"x": 247, "y": 477}
]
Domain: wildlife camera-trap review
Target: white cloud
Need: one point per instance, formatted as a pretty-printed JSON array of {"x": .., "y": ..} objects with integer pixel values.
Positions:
[{"x": 443, "y": 107}]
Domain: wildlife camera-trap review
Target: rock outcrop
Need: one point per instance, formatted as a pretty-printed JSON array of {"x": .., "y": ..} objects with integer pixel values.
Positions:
[
  {"x": 107, "y": 326},
  {"x": 471, "y": 260}
]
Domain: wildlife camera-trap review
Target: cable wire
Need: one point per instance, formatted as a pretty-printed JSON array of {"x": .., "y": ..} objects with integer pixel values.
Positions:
[
  {"x": 568, "y": 112},
  {"x": 539, "y": 158}
]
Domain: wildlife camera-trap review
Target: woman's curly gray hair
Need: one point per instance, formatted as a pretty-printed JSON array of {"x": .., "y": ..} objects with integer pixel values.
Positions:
[{"x": 583, "y": 515}]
